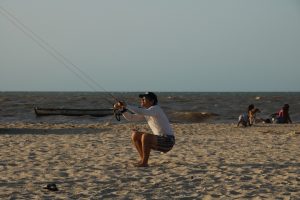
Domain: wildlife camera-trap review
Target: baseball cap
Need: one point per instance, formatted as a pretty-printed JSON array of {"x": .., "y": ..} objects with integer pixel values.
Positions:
[{"x": 150, "y": 96}]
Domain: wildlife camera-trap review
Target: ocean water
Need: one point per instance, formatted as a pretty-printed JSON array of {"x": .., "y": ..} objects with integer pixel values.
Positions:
[{"x": 208, "y": 107}]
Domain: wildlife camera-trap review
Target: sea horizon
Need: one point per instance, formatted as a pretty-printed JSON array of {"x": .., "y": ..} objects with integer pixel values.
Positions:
[{"x": 186, "y": 107}]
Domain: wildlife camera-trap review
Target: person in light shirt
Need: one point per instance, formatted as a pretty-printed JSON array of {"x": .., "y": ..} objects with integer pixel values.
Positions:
[{"x": 162, "y": 137}]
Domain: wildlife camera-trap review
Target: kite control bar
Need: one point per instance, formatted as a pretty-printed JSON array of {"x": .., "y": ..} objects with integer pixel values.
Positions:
[{"x": 117, "y": 114}]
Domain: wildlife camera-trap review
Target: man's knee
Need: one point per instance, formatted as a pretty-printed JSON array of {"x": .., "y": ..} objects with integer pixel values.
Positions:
[
  {"x": 149, "y": 139},
  {"x": 146, "y": 137},
  {"x": 135, "y": 135}
]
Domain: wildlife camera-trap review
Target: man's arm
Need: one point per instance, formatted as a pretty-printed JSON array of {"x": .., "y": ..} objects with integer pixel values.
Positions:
[
  {"x": 142, "y": 111},
  {"x": 133, "y": 117}
]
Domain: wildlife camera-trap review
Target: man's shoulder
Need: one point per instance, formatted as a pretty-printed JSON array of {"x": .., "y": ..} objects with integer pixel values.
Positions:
[{"x": 154, "y": 107}]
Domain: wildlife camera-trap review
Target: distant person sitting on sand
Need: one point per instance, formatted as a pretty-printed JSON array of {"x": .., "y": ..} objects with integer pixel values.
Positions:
[
  {"x": 162, "y": 136},
  {"x": 283, "y": 116},
  {"x": 248, "y": 118},
  {"x": 252, "y": 115}
]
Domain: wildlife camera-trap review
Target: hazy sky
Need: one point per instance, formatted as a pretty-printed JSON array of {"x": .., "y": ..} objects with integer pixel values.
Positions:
[{"x": 155, "y": 45}]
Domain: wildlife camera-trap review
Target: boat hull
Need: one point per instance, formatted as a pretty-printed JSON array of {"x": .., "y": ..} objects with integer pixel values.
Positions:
[{"x": 73, "y": 112}]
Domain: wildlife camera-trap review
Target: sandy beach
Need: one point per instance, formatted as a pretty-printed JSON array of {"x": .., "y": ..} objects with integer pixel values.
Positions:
[{"x": 96, "y": 161}]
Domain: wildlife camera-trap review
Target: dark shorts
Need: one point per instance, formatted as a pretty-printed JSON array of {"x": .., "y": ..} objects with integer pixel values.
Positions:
[{"x": 165, "y": 143}]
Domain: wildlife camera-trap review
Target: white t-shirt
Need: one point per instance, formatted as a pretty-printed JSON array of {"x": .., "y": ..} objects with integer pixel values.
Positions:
[{"x": 155, "y": 117}]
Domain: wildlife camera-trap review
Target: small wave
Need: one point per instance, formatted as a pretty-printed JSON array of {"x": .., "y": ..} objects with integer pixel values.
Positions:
[{"x": 191, "y": 116}]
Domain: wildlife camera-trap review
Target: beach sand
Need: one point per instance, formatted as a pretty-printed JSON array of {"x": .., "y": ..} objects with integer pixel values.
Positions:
[{"x": 96, "y": 161}]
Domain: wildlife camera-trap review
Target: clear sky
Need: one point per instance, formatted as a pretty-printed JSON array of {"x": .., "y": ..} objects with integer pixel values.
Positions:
[{"x": 154, "y": 45}]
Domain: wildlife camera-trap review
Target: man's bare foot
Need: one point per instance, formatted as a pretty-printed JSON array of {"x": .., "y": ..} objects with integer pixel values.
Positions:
[{"x": 142, "y": 165}]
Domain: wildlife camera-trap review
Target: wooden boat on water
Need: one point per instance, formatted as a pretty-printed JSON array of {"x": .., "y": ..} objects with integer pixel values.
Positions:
[{"x": 73, "y": 112}]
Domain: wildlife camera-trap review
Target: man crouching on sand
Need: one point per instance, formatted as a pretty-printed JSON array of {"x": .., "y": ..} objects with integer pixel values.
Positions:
[{"x": 162, "y": 139}]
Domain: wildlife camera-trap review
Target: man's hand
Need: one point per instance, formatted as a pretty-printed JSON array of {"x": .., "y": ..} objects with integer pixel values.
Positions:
[{"x": 120, "y": 105}]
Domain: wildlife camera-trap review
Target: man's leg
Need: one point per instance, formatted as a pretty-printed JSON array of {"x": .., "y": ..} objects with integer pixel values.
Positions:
[
  {"x": 149, "y": 141},
  {"x": 136, "y": 139}
]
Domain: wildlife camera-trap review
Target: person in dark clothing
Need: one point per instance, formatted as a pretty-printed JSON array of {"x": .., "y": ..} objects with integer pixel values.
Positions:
[{"x": 283, "y": 116}]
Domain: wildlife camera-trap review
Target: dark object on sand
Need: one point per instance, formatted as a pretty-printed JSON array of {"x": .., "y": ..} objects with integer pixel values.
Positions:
[
  {"x": 267, "y": 121},
  {"x": 73, "y": 112},
  {"x": 51, "y": 187}
]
